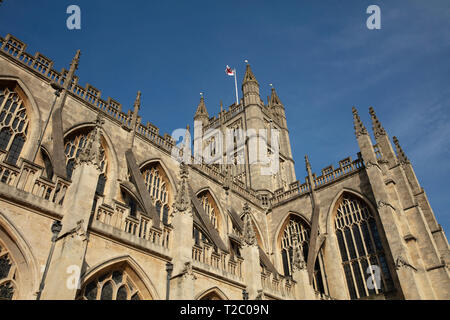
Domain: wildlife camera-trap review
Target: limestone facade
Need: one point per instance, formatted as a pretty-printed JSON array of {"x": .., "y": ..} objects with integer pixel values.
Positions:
[{"x": 94, "y": 206}]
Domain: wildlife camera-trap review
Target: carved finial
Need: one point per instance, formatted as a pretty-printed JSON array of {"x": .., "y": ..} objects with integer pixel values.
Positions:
[
  {"x": 182, "y": 199},
  {"x": 402, "y": 158},
  {"x": 249, "y": 235},
  {"x": 76, "y": 60},
  {"x": 92, "y": 151},
  {"x": 378, "y": 129},
  {"x": 360, "y": 129},
  {"x": 137, "y": 102},
  {"x": 308, "y": 165},
  {"x": 298, "y": 260}
]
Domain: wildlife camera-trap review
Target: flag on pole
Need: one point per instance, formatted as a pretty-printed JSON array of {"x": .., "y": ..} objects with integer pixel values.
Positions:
[
  {"x": 232, "y": 73},
  {"x": 229, "y": 71}
]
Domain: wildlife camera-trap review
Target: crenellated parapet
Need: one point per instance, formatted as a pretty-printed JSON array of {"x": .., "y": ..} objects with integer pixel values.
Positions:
[
  {"x": 328, "y": 176},
  {"x": 111, "y": 108}
]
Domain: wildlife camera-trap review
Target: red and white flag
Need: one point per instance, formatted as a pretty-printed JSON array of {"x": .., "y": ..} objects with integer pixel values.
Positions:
[{"x": 229, "y": 72}]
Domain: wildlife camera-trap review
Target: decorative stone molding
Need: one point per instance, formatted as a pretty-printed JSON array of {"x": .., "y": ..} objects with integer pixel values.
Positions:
[
  {"x": 401, "y": 262},
  {"x": 298, "y": 261},
  {"x": 188, "y": 271},
  {"x": 182, "y": 200},
  {"x": 382, "y": 204},
  {"x": 248, "y": 234},
  {"x": 370, "y": 164},
  {"x": 91, "y": 153}
]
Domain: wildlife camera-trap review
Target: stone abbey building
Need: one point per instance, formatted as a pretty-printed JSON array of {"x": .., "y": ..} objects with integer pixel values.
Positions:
[{"x": 93, "y": 205}]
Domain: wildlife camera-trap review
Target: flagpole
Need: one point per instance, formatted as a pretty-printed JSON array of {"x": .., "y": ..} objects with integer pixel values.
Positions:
[{"x": 235, "y": 84}]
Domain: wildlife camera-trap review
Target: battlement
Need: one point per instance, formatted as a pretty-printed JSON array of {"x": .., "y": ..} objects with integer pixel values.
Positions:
[
  {"x": 43, "y": 65},
  {"x": 328, "y": 175}
]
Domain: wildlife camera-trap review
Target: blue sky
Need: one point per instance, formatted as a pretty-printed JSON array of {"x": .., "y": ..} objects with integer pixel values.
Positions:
[{"x": 318, "y": 54}]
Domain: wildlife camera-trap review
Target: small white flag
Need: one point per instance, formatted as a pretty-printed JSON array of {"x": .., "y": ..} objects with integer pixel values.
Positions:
[{"x": 229, "y": 72}]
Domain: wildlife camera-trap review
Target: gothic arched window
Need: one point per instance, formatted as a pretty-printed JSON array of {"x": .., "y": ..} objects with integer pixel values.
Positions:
[
  {"x": 74, "y": 144},
  {"x": 210, "y": 207},
  {"x": 361, "y": 249},
  {"x": 8, "y": 275},
  {"x": 13, "y": 124},
  {"x": 157, "y": 185},
  {"x": 115, "y": 285},
  {"x": 297, "y": 232}
]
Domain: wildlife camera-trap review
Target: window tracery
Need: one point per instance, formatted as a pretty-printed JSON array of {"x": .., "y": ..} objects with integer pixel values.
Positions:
[
  {"x": 157, "y": 185},
  {"x": 8, "y": 275},
  {"x": 115, "y": 285},
  {"x": 13, "y": 124},
  {"x": 74, "y": 145},
  {"x": 296, "y": 232},
  {"x": 360, "y": 247}
]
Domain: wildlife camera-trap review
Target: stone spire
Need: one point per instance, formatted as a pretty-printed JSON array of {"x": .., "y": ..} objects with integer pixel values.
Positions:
[
  {"x": 360, "y": 129},
  {"x": 249, "y": 76},
  {"x": 274, "y": 99},
  {"x": 202, "y": 114},
  {"x": 134, "y": 117},
  {"x": 378, "y": 129},
  {"x": 248, "y": 233},
  {"x": 182, "y": 199},
  {"x": 72, "y": 69},
  {"x": 298, "y": 260},
  {"x": 402, "y": 158}
]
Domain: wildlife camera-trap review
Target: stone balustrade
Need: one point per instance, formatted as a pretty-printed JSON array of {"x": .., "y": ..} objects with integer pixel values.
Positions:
[
  {"x": 276, "y": 285},
  {"x": 28, "y": 177},
  {"x": 329, "y": 174},
  {"x": 118, "y": 217},
  {"x": 220, "y": 262}
]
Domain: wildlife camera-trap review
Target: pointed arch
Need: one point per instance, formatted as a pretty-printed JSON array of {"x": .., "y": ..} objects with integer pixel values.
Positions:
[
  {"x": 221, "y": 222},
  {"x": 114, "y": 271},
  {"x": 32, "y": 112},
  {"x": 112, "y": 168},
  {"x": 359, "y": 237},
  {"x": 296, "y": 228},
  {"x": 23, "y": 259},
  {"x": 212, "y": 294},
  {"x": 168, "y": 173},
  {"x": 161, "y": 187},
  {"x": 331, "y": 214}
]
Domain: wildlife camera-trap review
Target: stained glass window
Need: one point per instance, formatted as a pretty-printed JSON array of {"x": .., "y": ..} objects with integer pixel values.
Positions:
[
  {"x": 8, "y": 274},
  {"x": 74, "y": 144},
  {"x": 115, "y": 285},
  {"x": 13, "y": 124},
  {"x": 297, "y": 231},
  {"x": 361, "y": 249},
  {"x": 157, "y": 185}
]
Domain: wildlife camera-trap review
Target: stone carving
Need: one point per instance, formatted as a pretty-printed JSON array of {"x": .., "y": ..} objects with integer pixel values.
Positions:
[
  {"x": 182, "y": 199},
  {"x": 401, "y": 262},
  {"x": 188, "y": 271},
  {"x": 360, "y": 129},
  {"x": 248, "y": 233},
  {"x": 91, "y": 153},
  {"x": 370, "y": 164},
  {"x": 378, "y": 129},
  {"x": 382, "y": 204},
  {"x": 260, "y": 295},
  {"x": 298, "y": 261}
]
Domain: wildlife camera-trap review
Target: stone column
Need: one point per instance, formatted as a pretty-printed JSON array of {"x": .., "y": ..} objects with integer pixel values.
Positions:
[
  {"x": 406, "y": 273},
  {"x": 182, "y": 282},
  {"x": 250, "y": 253},
  {"x": 303, "y": 288},
  {"x": 70, "y": 247}
]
